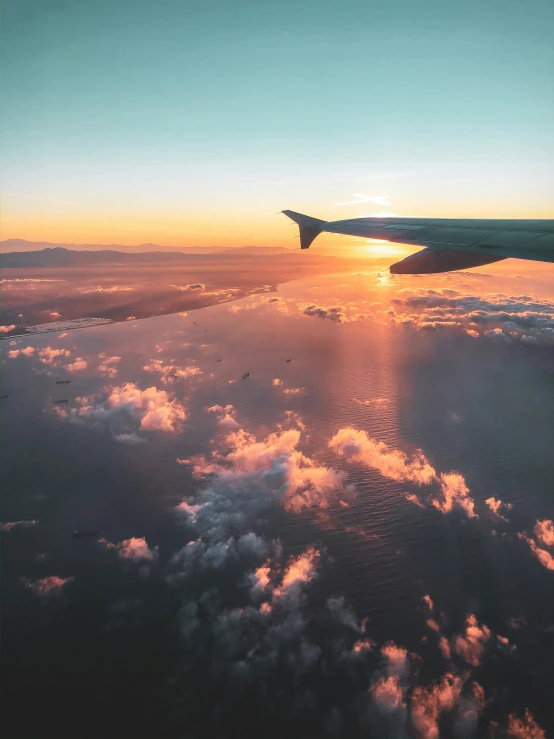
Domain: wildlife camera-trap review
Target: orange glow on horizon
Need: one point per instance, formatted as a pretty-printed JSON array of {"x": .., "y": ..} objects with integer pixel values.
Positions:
[{"x": 132, "y": 223}]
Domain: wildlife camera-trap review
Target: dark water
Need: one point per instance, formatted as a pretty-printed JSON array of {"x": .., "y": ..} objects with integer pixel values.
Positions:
[{"x": 134, "y": 643}]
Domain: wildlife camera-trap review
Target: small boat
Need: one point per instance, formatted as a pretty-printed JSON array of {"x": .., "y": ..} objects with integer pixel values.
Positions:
[
  {"x": 3, "y": 396},
  {"x": 59, "y": 402},
  {"x": 218, "y": 360},
  {"x": 289, "y": 360},
  {"x": 246, "y": 375},
  {"x": 80, "y": 534},
  {"x": 63, "y": 382}
]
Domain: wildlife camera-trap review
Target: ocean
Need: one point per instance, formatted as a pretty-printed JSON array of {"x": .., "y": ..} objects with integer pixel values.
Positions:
[{"x": 320, "y": 510}]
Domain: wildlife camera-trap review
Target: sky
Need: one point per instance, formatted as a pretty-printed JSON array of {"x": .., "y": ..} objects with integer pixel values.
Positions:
[{"x": 184, "y": 123}]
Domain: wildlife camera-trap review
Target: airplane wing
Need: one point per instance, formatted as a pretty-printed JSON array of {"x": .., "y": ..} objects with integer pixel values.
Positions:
[{"x": 449, "y": 243}]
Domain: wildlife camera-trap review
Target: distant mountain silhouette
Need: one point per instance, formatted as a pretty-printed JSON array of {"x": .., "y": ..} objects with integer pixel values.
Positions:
[
  {"x": 21, "y": 245},
  {"x": 58, "y": 256}
]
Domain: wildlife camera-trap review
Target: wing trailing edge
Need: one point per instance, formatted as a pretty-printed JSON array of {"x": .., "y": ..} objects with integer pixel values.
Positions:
[{"x": 430, "y": 261}]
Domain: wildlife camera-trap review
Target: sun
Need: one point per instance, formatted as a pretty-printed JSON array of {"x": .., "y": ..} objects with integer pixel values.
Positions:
[{"x": 380, "y": 248}]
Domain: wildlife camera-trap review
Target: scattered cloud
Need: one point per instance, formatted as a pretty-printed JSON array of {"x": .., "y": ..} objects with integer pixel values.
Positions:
[
  {"x": 49, "y": 355},
  {"x": 274, "y": 467},
  {"x": 78, "y": 365},
  {"x": 471, "y": 643},
  {"x": 10, "y": 525},
  {"x": 226, "y": 416},
  {"x": 106, "y": 367},
  {"x": 524, "y": 728},
  {"x": 48, "y": 586},
  {"x": 5, "y": 280},
  {"x": 502, "y": 318},
  {"x": 108, "y": 289},
  {"x": 335, "y": 313},
  {"x": 7, "y": 329},
  {"x": 543, "y": 540},
  {"x": 356, "y": 446},
  {"x": 382, "y": 200},
  {"x": 495, "y": 505},
  {"x": 196, "y": 287},
  {"x": 133, "y": 549},
  {"x": 455, "y": 494},
  {"x": 27, "y": 352},
  {"x": 171, "y": 372},
  {"x": 127, "y": 404},
  {"x": 129, "y": 439}
]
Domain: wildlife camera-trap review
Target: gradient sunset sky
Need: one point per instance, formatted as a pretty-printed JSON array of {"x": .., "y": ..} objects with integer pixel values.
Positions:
[{"x": 194, "y": 123}]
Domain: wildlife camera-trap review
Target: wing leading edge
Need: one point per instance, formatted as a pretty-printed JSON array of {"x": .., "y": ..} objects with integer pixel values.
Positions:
[{"x": 450, "y": 243}]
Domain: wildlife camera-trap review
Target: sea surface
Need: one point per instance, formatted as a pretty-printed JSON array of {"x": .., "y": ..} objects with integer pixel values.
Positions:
[{"x": 321, "y": 511}]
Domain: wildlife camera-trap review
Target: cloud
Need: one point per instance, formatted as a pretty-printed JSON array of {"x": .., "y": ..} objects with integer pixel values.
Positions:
[
  {"x": 342, "y": 613},
  {"x": 294, "y": 390},
  {"x": 335, "y": 313},
  {"x": 544, "y": 531},
  {"x": 428, "y": 601},
  {"x": 129, "y": 439},
  {"x": 277, "y": 383},
  {"x": 198, "y": 554},
  {"x": 356, "y": 446},
  {"x": 455, "y": 494},
  {"x": 471, "y": 643},
  {"x": 6, "y": 280},
  {"x": 27, "y": 352},
  {"x": 428, "y": 704},
  {"x": 495, "y": 505},
  {"x": 49, "y": 355},
  {"x": 109, "y": 289},
  {"x": 196, "y": 287},
  {"x": 106, "y": 367},
  {"x": 299, "y": 571},
  {"x": 226, "y": 417},
  {"x": 382, "y": 200},
  {"x": 10, "y": 525},
  {"x": 413, "y": 498},
  {"x": 524, "y": 728},
  {"x": 78, "y": 365},
  {"x": 7, "y": 329},
  {"x": 48, "y": 586},
  {"x": 274, "y": 468},
  {"x": 246, "y": 618},
  {"x": 502, "y": 318},
  {"x": 388, "y": 712},
  {"x": 517, "y": 622},
  {"x": 393, "y": 464},
  {"x": 171, "y": 372},
  {"x": 544, "y": 537},
  {"x": 152, "y": 409},
  {"x": 133, "y": 549}
]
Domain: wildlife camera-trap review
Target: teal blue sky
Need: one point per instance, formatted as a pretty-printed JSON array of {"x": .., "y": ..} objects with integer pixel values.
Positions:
[{"x": 194, "y": 122}]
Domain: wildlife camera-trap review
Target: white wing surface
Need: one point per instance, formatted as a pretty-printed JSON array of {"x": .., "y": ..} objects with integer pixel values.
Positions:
[{"x": 449, "y": 243}]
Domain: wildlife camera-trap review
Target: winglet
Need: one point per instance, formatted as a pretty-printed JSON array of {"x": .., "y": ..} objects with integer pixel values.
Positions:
[{"x": 310, "y": 227}]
